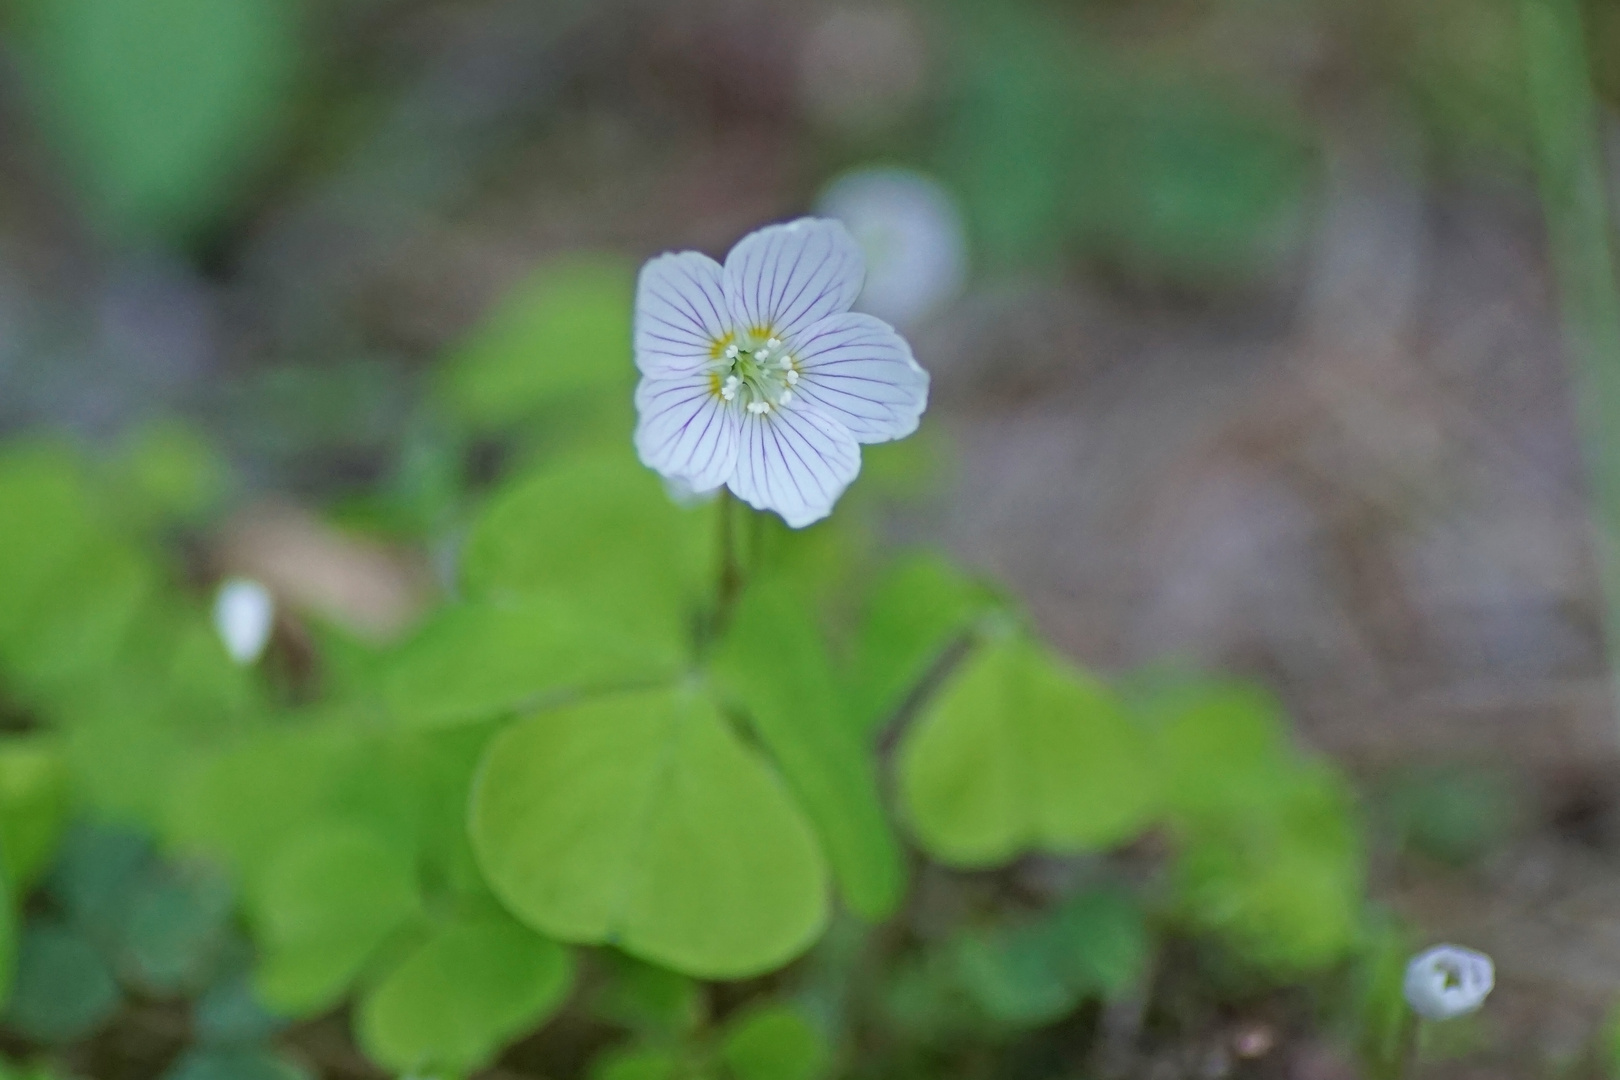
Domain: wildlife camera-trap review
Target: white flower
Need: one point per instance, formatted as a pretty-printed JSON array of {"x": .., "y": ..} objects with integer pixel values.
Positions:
[
  {"x": 1448, "y": 981},
  {"x": 244, "y": 613},
  {"x": 913, "y": 236},
  {"x": 757, "y": 376}
]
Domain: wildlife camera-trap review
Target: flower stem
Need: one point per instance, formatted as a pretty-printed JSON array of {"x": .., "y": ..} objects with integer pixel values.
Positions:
[
  {"x": 729, "y": 580},
  {"x": 1409, "y": 1049}
]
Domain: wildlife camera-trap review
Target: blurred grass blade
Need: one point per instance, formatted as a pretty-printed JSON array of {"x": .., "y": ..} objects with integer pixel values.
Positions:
[{"x": 1573, "y": 192}]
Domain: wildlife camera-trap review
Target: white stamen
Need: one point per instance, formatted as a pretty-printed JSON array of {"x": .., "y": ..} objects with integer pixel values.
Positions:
[
  {"x": 731, "y": 352},
  {"x": 729, "y": 390},
  {"x": 786, "y": 363},
  {"x": 792, "y": 377},
  {"x": 787, "y": 396},
  {"x": 759, "y": 408},
  {"x": 774, "y": 343},
  {"x": 762, "y": 355}
]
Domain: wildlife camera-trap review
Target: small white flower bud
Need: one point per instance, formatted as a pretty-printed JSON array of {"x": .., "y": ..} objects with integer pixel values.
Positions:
[
  {"x": 244, "y": 613},
  {"x": 1448, "y": 981}
]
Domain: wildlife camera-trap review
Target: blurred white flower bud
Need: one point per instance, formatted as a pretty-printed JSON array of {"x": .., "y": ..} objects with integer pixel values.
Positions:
[
  {"x": 1448, "y": 981},
  {"x": 244, "y": 613},
  {"x": 911, "y": 232}
]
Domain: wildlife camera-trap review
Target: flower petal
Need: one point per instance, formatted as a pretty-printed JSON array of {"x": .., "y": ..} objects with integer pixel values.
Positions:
[
  {"x": 686, "y": 430},
  {"x": 858, "y": 371},
  {"x": 681, "y": 313},
  {"x": 783, "y": 278},
  {"x": 796, "y": 462}
]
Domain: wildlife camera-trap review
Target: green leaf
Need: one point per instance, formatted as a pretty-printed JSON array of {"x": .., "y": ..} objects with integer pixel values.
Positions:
[
  {"x": 1223, "y": 746},
  {"x": 327, "y": 901},
  {"x": 88, "y": 616},
  {"x": 1012, "y": 979},
  {"x": 565, "y": 330},
  {"x": 233, "y": 1063},
  {"x": 240, "y": 803},
  {"x": 434, "y": 771},
  {"x": 646, "y": 998},
  {"x": 600, "y": 530},
  {"x": 63, "y": 990},
  {"x": 635, "y": 1063},
  {"x": 1095, "y": 944},
  {"x": 229, "y": 1013},
  {"x": 10, "y": 917},
  {"x": 160, "y": 105},
  {"x": 122, "y": 757},
  {"x": 1020, "y": 751},
  {"x": 1283, "y": 882},
  {"x": 924, "y": 1001},
  {"x": 95, "y": 876},
  {"x": 453, "y": 1002},
  {"x": 1101, "y": 941},
  {"x": 130, "y": 724},
  {"x": 774, "y": 1042},
  {"x": 44, "y": 485},
  {"x": 10, "y": 1070},
  {"x": 1270, "y": 854},
  {"x": 920, "y": 607},
  {"x": 33, "y": 806},
  {"x": 774, "y": 662},
  {"x": 640, "y": 820},
  {"x": 178, "y": 923},
  {"x": 476, "y": 661}
]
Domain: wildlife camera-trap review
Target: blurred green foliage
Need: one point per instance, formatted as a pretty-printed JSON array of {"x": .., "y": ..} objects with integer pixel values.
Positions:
[
  {"x": 461, "y": 995},
  {"x": 160, "y": 106},
  {"x": 579, "y": 785},
  {"x": 576, "y": 311},
  {"x": 1059, "y": 147},
  {"x": 577, "y": 749},
  {"x": 1018, "y": 976}
]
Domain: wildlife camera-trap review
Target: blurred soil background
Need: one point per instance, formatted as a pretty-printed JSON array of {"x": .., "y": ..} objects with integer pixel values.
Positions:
[{"x": 1258, "y": 365}]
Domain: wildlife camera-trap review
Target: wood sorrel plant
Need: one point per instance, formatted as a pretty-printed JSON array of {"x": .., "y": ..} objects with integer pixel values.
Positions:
[{"x": 572, "y": 760}]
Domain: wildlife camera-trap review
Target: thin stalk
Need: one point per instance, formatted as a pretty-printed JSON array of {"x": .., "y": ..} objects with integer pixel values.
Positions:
[
  {"x": 1411, "y": 1048},
  {"x": 1574, "y": 198},
  {"x": 729, "y": 579},
  {"x": 1398, "y": 1061}
]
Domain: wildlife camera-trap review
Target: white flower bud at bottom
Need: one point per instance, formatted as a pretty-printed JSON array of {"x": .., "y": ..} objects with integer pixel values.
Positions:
[
  {"x": 244, "y": 614},
  {"x": 1448, "y": 981}
]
